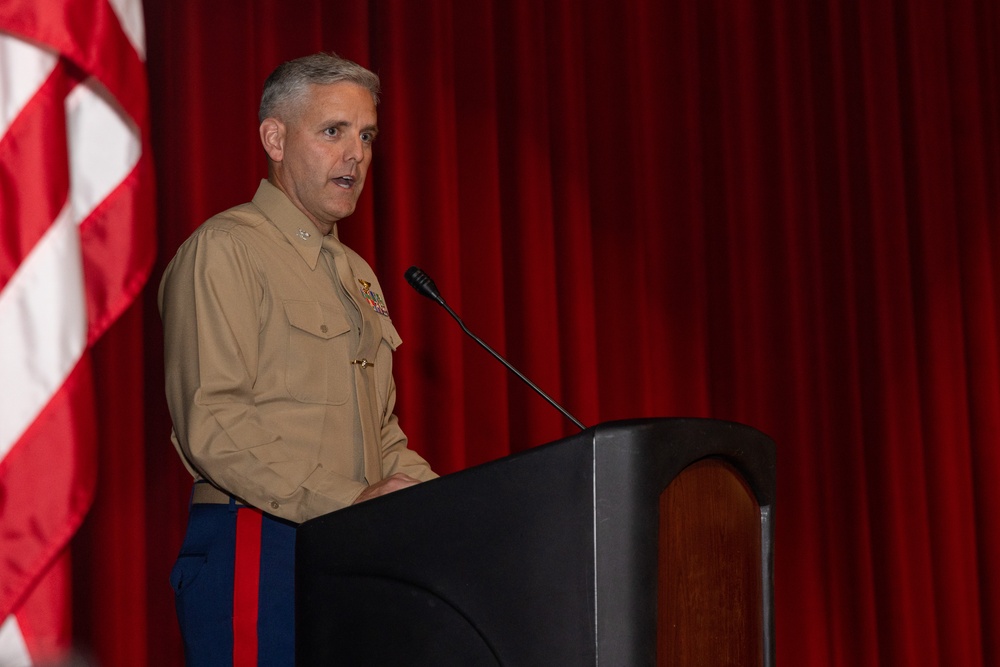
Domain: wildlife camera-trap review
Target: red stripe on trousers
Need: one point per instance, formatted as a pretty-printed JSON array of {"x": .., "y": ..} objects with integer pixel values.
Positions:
[{"x": 246, "y": 584}]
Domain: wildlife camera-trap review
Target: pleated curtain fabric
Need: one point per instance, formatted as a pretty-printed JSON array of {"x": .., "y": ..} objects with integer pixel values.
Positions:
[{"x": 777, "y": 212}]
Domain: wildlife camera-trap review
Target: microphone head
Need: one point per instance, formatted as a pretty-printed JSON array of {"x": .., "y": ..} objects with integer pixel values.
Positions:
[{"x": 422, "y": 282}]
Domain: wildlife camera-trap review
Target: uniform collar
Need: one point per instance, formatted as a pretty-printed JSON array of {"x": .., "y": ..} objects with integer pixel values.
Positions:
[{"x": 299, "y": 230}]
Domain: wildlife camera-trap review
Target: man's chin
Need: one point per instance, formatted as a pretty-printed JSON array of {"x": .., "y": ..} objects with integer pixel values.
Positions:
[
  {"x": 342, "y": 215},
  {"x": 338, "y": 213}
]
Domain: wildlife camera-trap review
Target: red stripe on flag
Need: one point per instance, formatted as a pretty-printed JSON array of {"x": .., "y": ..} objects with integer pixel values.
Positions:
[
  {"x": 116, "y": 260},
  {"x": 246, "y": 586},
  {"x": 34, "y": 172},
  {"x": 48, "y": 483},
  {"x": 46, "y": 630}
]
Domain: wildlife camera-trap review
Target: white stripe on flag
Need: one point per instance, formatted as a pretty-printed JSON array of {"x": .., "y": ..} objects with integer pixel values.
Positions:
[
  {"x": 13, "y": 652},
  {"x": 43, "y": 327},
  {"x": 19, "y": 83},
  {"x": 104, "y": 146},
  {"x": 129, "y": 13}
]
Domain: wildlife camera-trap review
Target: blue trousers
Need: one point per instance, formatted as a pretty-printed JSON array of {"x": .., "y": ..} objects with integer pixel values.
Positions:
[{"x": 234, "y": 588}]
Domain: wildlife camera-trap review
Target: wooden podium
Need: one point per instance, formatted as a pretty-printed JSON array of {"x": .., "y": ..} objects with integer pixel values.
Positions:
[{"x": 644, "y": 542}]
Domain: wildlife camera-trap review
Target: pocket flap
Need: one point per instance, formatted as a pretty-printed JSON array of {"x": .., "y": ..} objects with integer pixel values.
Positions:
[
  {"x": 316, "y": 318},
  {"x": 389, "y": 334}
]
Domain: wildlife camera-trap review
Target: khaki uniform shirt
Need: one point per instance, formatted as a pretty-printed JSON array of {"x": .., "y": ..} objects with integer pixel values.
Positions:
[{"x": 278, "y": 352}]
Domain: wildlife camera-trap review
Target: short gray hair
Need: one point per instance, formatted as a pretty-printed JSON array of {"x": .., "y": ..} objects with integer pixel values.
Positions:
[{"x": 290, "y": 80}]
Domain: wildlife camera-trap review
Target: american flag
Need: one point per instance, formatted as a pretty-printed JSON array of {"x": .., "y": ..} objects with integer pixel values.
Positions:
[{"x": 76, "y": 246}]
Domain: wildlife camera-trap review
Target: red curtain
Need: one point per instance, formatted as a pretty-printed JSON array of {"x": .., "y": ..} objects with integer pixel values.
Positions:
[{"x": 772, "y": 211}]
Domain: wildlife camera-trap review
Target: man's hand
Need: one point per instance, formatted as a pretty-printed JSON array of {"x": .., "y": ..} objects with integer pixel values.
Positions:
[{"x": 394, "y": 483}]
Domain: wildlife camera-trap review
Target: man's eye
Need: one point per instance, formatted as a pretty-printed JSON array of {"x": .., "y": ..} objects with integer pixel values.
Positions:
[
  {"x": 331, "y": 131},
  {"x": 367, "y": 137}
]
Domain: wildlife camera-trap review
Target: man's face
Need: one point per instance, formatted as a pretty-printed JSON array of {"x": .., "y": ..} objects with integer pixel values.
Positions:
[{"x": 321, "y": 149}]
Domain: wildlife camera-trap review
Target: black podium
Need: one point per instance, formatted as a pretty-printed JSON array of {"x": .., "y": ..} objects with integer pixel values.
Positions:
[{"x": 643, "y": 542}]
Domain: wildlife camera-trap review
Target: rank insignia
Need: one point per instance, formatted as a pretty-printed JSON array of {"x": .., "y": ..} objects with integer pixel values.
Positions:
[{"x": 374, "y": 299}]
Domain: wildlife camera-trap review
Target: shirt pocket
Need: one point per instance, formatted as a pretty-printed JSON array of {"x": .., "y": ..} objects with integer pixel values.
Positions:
[{"x": 318, "y": 356}]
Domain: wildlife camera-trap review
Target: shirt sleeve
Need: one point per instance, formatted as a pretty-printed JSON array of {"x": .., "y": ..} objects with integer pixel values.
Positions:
[
  {"x": 211, "y": 297},
  {"x": 396, "y": 456}
]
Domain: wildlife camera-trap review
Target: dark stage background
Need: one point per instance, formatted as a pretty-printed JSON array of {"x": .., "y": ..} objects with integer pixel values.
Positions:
[{"x": 772, "y": 211}]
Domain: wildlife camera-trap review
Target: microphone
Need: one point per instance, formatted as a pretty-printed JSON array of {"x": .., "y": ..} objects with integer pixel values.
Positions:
[{"x": 421, "y": 282}]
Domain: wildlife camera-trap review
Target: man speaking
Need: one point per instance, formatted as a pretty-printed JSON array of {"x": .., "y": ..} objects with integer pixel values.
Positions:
[{"x": 278, "y": 353}]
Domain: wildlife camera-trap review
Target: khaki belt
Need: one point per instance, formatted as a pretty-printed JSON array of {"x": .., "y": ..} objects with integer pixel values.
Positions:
[{"x": 206, "y": 494}]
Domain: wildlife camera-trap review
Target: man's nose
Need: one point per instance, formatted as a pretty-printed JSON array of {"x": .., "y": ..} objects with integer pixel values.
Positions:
[{"x": 355, "y": 150}]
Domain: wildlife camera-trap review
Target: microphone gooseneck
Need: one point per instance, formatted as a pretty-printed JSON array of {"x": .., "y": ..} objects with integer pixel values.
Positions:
[{"x": 423, "y": 284}]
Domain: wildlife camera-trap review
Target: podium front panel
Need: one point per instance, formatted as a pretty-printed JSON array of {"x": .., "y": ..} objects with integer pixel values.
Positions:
[{"x": 546, "y": 557}]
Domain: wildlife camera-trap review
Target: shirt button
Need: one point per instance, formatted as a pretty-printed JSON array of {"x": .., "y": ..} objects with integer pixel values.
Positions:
[
  {"x": 324, "y": 328},
  {"x": 274, "y": 504}
]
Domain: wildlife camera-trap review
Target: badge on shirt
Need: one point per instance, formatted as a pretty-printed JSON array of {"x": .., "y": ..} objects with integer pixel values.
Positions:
[{"x": 374, "y": 299}]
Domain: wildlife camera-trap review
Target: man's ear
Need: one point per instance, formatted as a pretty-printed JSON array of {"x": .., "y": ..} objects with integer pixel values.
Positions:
[{"x": 272, "y": 137}]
